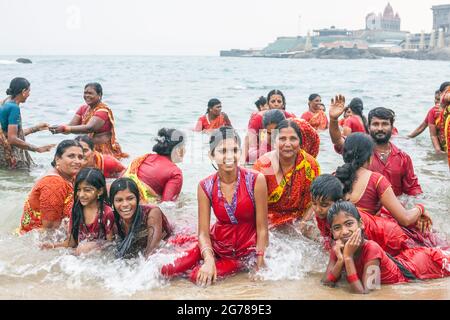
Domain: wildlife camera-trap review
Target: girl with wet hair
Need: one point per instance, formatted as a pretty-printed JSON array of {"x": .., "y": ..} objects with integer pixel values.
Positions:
[
  {"x": 140, "y": 228},
  {"x": 13, "y": 147},
  {"x": 366, "y": 264},
  {"x": 96, "y": 119},
  {"x": 238, "y": 199},
  {"x": 51, "y": 199},
  {"x": 214, "y": 117},
  {"x": 108, "y": 165},
  {"x": 356, "y": 122},
  {"x": 92, "y": 220},
  {"x": 156, "y": 174},
  {"x": 315, "y": 115},
  {"x": 369, "y": 190}
]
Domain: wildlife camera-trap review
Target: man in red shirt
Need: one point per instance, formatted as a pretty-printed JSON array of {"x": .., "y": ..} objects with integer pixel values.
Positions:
[{"x": 393, "y": 163}]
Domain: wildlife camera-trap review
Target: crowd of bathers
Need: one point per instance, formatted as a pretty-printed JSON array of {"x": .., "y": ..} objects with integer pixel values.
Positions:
[{"x": 269, "y": 180}]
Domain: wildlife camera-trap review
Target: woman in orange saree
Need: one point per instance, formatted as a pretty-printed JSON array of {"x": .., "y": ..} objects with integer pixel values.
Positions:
[
  {"x": 96, "y": 119},
  {"x": 289, "y": 172},
  {"x": 51, "y": 199},
  {"x": 315, "y": 116},
  {"x": 214, "y": 117}
]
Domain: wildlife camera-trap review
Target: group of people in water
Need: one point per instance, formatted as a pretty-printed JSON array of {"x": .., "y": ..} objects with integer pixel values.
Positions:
[{"x": 270, "y": 180}]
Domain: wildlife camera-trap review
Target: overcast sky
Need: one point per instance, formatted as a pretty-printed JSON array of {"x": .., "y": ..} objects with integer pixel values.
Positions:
[{"x": 181, "y": 27}]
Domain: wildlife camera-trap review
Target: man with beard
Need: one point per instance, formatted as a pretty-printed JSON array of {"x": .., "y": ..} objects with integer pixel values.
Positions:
[{"x": 393, "y": 163}]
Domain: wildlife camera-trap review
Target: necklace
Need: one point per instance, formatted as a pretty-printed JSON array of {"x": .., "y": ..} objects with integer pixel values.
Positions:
[{"x": 384, "y": 155}]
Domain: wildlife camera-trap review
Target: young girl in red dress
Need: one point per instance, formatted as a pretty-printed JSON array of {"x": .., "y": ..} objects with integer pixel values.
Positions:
[
  {"x": 92, "y": 220},
  {"x": 366, "y": 264},
  {"x": 238, "y": 198}
]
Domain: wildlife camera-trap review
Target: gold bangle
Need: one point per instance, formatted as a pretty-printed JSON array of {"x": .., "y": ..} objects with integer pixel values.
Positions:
[{"x": 206, "y": 248}]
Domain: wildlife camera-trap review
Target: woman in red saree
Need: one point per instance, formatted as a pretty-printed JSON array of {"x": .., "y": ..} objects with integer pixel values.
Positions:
[
  {"x": 156, "y": 174},
  {"x": 315, "y": 116},
  {"x": 289, "y": 172},
  {"x": 108, "y": 165},
  {"x": 356, "y": 122},
  {"x": 444, "y": 119},
  {"x": 238, "y": 199},
  {"x": 96, "y": 119},
  {"x": 370, "y": 191},
  {"x": 214, "y": 117},
  {"x": 51, "y": 199}
]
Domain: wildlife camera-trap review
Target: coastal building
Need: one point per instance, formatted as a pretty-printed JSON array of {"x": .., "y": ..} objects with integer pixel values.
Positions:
[
  {"x": 388, "y": 21},
  {"x": 441, "y": 18}
]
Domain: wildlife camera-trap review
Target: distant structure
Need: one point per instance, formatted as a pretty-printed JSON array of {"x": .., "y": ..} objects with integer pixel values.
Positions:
[
  {"x": 441, "y": 18},
  {"x": 384, "y": 22}
]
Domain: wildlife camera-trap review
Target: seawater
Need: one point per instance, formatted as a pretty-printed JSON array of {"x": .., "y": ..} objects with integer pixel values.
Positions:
[{"x": 147, "y": 93}]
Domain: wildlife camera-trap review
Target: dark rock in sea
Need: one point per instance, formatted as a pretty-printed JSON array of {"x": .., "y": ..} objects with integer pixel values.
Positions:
[{"x": 24, "y": 60}]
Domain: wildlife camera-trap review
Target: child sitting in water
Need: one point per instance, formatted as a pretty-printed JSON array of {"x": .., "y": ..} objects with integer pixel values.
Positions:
[
  {"x": 366, "y": 264},
  {"x": 92, "y": 220},
  {"x": 327, "y": 189}
]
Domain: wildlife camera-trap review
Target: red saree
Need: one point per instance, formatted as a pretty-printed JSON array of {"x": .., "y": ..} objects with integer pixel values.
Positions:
[{"x": 317, "y": 120}]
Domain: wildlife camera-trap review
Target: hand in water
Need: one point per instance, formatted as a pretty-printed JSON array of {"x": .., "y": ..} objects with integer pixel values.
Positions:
[
  {"x": 337, "y": 107},
  {"x": 207, "y": 274}
]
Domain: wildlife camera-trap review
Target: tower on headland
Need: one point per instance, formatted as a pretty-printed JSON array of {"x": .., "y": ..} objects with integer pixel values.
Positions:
[
  {"x": 388, "y": 21},
  {"x": 441, "y": 18}
]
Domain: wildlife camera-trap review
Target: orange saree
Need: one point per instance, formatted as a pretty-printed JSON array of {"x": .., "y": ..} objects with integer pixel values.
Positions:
[
  {"x": 290, "y": 198},
  {"x": 50, "y": 199},
  {"x": 112, "y": 147}
]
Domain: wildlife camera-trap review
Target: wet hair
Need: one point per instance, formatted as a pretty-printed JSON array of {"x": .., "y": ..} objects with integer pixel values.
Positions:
[
  {"x": 327, "y": 186},
  {"x": 16, "y": 86},
  {"x": 211, "y": 103},
  {"x": 273, "y": 116},
  {"x": 313, "y": 96},
  {"x": 357, "y": 107},
  {"x": 221, "y": 134},
  {"x": 443, "y": 86},
  {"x": 382, "y": 113},
  {"x": 260, "y": 102},
  {"x": 167, "y": 140},
  {"x": 358, "y": 148},
  {"x": 86, "y": 139},
  {"x": 437, "y": 92},
  {"x": 96, "y": 86},
  {"x": 277, "y": 92},
  {"x": 289, "y": 124},
  {"x": 128, "y": 240},
  {"x": 95, "y": 178},
  {"x": 62, "y": 147},
  {"x": 347, "y": 207}
]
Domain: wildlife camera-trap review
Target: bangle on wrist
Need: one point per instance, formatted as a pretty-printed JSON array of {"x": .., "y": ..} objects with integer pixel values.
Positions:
[
  {"x": 31, "y": 148},
  {"x": 260, "y": 253},
  {"x": 352, "y": 278},
  {"x": 421, "y": 208},
  {"x": 206, "y": 248}
]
